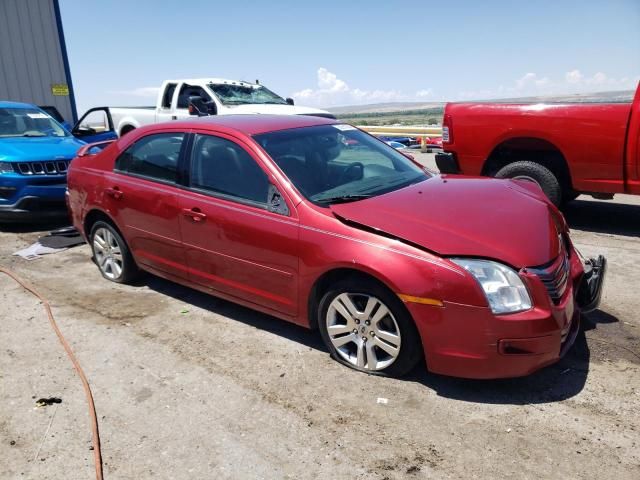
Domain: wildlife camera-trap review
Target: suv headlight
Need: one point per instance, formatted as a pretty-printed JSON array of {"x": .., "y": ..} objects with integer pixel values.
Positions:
[
  {"x": 502, "y": 286},
  {"x": 6, "y": 167}
]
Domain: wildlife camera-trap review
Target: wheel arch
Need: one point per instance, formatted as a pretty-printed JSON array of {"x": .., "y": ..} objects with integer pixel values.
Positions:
[
  {"x": 94, "y": 216},
  {"x": 329, "y": 277},
  {"x": 529, "y": 148}
]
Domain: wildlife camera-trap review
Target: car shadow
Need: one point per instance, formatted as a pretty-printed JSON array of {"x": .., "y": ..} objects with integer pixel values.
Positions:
[
  {"x": 555, "y": 383},
  {"x": 235, "y": 312},
  {"x": 31, "y": 227},
  {"x": 603, "y": 217}
]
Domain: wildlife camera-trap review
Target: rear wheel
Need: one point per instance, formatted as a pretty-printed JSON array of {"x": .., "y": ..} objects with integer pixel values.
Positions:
[
  {"x": 366, "y": 327},
  {"x": 111, "y": 253},
  {"x": 536, "y": 173}
]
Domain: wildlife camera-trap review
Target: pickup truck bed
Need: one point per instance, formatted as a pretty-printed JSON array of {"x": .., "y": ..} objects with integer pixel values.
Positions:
[{"x": 566, "y": 148}]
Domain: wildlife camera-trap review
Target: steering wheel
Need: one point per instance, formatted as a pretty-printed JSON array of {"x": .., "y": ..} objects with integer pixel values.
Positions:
[{"x": 347, "y": 171}]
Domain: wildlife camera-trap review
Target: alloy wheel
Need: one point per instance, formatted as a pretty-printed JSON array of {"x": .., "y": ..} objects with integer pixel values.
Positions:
[
  {"x": 108, "y": 253},
  {"x": 363, "y": 331}
]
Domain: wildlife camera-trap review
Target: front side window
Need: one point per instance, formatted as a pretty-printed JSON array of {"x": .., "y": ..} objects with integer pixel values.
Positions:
[
  {"x": 339, "y": 163},
  {"x": 28, "y": 122},
  {"x": 240, "y": 94},
  {"x": 220, "y": 166},
  {"x": 187, "y": 91},
  {"x": 154, "y": 156}
]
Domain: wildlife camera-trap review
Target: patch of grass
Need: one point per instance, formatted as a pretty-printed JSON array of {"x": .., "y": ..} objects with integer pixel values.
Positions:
[{"x": 428, "y": 116}]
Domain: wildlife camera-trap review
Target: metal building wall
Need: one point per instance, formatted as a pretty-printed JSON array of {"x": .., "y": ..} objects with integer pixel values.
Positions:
[{"x": 33, "y": 58}]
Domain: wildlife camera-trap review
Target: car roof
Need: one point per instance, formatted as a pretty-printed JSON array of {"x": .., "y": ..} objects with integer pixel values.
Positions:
[
  {"x": 250, "y": 124},
  {"x": 7, "y": 104}
]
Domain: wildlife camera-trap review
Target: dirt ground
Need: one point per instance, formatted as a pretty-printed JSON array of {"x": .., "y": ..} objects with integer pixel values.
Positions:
[{"x": 189, "y": 386}]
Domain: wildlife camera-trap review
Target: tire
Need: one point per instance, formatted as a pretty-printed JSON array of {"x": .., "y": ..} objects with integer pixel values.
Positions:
[
  {"x": 536, "y": 173},
  {"x": 111, "y": 254},
  {"x": 368, "y": 339}
]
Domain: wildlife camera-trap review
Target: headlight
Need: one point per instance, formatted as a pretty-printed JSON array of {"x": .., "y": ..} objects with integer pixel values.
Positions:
[
  {"x": 502, "y": 286},
  {"x": 6, "y": 167}
]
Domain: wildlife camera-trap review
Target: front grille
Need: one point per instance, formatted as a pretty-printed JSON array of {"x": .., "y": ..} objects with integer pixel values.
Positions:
[
  {"x": 53, "y": 167},
  {"x": 554, "y": 275}
]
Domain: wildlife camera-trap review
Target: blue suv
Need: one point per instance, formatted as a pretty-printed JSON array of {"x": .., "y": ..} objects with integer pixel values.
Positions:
[{"x": 35, "y": 151}]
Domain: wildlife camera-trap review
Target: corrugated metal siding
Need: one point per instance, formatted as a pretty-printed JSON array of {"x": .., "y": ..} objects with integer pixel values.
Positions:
[{"x": 31, "y": 57}]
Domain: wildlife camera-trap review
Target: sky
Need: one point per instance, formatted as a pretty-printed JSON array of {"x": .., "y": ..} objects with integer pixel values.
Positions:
[{"x": 332, "y": 53}]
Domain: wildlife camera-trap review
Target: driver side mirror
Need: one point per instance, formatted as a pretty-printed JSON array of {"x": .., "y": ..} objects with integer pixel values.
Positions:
[
  {"x": 200, "y": 108},
  {"x": 289, "y": 101}
]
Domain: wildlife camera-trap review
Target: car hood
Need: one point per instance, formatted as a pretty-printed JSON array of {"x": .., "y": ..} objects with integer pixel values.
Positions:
[
  {"x": 38, "y": 148},
  {"x": 275, "y": 110},
  {"x": 503, "y": 220}
]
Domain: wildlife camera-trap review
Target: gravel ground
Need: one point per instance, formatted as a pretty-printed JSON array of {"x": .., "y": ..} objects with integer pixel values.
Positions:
[{"x": 189, "y": 386}]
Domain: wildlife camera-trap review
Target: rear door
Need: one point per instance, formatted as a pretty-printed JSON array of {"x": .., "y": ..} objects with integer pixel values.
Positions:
[
  {"x": 142, "y": 194},
  {"x": 240, "y": 234},
  {"x": 164, "y": 112}
]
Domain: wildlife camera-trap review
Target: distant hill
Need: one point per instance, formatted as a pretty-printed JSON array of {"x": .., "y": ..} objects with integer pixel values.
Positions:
[{"x": 402, "y": 107}]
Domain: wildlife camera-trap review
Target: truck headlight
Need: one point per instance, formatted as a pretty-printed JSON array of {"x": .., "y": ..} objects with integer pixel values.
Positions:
[
  {"x": 502, "y": 286},
  {"x": 6, "y": 167}
]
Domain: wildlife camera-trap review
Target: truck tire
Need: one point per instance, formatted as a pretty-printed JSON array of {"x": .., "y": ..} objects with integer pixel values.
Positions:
[
  {"x": 126, "y": 129},
  {"x": 536, "y": 173}
]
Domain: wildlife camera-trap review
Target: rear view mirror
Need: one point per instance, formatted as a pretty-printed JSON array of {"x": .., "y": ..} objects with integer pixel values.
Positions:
[
  {"x": 200, "y": 108},
  {"x": 289, "y": 101}
]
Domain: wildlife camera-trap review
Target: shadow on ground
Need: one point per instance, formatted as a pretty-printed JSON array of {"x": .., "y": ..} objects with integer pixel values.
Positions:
[
  {"x": 557, "y": 382},
  {"x": 604, "y": 217},
  {"x": 30, "y": 227}
]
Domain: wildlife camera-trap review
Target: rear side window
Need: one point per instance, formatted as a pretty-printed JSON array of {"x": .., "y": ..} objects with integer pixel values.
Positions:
[
  {"x": 223, "y": 167},
  {"x": 168, "y": 95},
  {"x": 154, "y": 156}
]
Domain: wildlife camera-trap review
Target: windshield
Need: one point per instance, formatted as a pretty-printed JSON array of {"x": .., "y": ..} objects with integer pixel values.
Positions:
[
  {"x": 230, "y": 94},
  {"x": 28, "y": 122},
  {"x": 339, "y": 163}
]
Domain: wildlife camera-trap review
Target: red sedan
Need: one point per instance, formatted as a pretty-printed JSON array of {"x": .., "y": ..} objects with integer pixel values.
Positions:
[{"x": 390, "y": 262}]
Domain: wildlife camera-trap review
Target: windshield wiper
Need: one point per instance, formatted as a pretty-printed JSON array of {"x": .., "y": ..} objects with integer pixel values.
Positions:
[
  {"x": 34, "y": 134},
  {"x": 344, "y": 198}
]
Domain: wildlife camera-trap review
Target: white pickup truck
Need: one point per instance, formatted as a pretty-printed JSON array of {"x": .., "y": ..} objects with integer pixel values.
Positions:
[{"x": 225, "y": 97}]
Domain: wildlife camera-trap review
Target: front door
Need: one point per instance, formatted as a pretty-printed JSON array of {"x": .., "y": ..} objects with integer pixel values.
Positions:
[
  {"x": 235, "y": 241},
  {"x": 95, "y": 125},
  {"x": 142, "y": 195}
]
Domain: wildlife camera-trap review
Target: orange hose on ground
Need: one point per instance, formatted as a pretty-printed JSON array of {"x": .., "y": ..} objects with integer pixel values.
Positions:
[{"x": 85, "y": 383}]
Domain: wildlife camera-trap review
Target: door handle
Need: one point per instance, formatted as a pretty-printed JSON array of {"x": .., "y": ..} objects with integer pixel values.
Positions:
[
  {"x": 114, "y": 193},
  {"x": 195, "y": 214},
  {"x": 174, "y": 117}
]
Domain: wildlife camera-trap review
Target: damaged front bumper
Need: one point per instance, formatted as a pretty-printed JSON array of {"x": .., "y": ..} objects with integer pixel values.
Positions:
[{"x": 590, "y": 290}]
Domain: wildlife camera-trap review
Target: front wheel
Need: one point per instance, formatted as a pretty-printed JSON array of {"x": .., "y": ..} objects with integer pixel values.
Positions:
[
  {"x": 536, "y": 173},
  {"x": 366, "y": 327}
]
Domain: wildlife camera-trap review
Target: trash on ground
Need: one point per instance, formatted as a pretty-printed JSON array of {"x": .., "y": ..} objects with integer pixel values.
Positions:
[
  {"x": 56, "y": 241},
  {"x": 43, "y": 402},
  {"x": 382, "y": 400}
]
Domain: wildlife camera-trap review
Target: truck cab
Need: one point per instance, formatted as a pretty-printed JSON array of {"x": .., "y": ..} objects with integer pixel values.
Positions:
[{"x": 223, "y": 97}]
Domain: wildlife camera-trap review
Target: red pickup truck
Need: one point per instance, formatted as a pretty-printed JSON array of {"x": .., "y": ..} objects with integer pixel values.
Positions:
[{"x": 567, "y": 149}]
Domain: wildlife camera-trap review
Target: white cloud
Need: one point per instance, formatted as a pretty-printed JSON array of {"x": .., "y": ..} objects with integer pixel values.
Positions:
[
  {"x": 138, "y": 92},
  {"x": 333, "y": 91},
  {"x": 573, "y": 77}
]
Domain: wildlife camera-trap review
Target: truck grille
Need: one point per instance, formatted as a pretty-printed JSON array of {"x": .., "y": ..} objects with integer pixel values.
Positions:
[
  {"x": 54, "y": 167},
  {"x": 554, "y": 275}
]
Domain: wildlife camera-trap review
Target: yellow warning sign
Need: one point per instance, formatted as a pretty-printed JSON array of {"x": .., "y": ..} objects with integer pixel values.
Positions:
[{"x": 60, "y": 89}]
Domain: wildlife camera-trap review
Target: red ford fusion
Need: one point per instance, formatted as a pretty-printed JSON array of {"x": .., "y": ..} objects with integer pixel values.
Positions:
[{"x": 323, "y": 225}]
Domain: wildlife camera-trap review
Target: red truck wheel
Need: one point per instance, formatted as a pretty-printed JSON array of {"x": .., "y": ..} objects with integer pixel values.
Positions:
[{"x": 534, "y": 172}]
